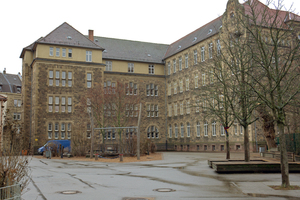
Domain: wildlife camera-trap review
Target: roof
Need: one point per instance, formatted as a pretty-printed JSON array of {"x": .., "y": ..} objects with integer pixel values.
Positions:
[
  {"x": 195, "y": 37},
  {"x": 64, "y": 35},
  {"x": 10, "y": 82},
  {"x": 131, "y": 50}
]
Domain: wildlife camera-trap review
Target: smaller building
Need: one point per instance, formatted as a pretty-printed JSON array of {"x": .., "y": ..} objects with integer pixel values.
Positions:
[{"x": 11, "y": 102}]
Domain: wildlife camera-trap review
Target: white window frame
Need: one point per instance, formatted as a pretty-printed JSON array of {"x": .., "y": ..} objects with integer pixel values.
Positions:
[
  {"x": 176, "y": 131},
  {"x": 210, "y": 50},
  {"x": 170, "y": 131},
  {"x": 213, "y": 128},
  {"x": 51, "y": 51},
  {"x": 108, "y": 66},
  {"x": 169, "y": 68},
  {"x": 175, "y": 88},
  {"x": 57, "y": 52},
  {"x": 174, "y": 66},
  {"x": 88, "y": 56},
  {"x": 202, "y": 54},
  {"x": 195, "y": 56},
  {"x": 187, "y": 84},
  {"x": 182, "y": 130},
  {"x": 180, "y": 63},
  {"x": 64, "y": 52},
  {"x": 196, "y": 81},
  {"x": 186, "y": 61},
  {"x": 151, "y": 69},
  {"x": 130, "y": 67},
  {"x": 188, "y": 129},
  {"x": 205, "y": 129},
  {"x": 198, "y": 129},
  {"x": 222, "y": 130}
]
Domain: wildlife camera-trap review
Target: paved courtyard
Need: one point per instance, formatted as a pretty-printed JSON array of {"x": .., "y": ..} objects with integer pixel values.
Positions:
[{"x": 187, "y": 175}]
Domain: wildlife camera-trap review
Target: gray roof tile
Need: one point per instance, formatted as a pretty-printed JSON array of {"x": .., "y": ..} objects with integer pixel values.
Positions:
[{"x": 131, "y": 50}]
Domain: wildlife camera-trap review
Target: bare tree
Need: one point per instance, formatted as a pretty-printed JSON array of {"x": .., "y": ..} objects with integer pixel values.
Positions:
[{"x": 274, "y": 46}]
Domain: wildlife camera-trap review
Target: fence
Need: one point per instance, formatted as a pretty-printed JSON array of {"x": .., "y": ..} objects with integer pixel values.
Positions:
[{"x": 12, "y": 192}]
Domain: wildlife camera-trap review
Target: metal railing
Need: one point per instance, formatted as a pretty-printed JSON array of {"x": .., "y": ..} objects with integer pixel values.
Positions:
[{"x": 12, "y": 192}]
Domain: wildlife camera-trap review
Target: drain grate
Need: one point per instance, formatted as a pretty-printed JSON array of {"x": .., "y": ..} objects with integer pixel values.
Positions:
[
  {"x": 70, "y": 192},
  {"x": 164, "y": 190}
]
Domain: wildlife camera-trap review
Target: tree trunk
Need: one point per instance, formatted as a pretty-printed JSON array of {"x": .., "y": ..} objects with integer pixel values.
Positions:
[
  {"x": 227, "y": 145},
  {"x": 246, "y": 145},
  {"x": 268, "y": 126},
  {"x": 285, "y": 182}
]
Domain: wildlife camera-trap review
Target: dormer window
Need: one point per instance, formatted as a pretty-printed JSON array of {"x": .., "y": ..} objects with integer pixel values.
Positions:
[
  {"x": 179, "y": 47},
  {"x": 232, "y": 15},
  {"x": 195, "y": 38},
  {"x": 69, "y": 38},
  {"x": 209, "y": 32},
  {"x": 18, "y": 89}
]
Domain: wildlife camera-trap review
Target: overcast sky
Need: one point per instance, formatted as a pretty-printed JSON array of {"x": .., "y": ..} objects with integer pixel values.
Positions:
[{"x": 158, "y": 21}]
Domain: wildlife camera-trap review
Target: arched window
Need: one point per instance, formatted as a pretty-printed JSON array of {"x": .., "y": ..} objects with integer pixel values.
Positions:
[
  {"x": 213, "y": 128},
  {"x": 176, "y": 131},
  {"x": 188, "y": 129},
  {"x": 182, "y": 130},
  {"x": 170, "y": 131},
  {"x": 205, "y": 128},
  {"x": 198, "y": 129},
  {"x": 152, "y": 132}
]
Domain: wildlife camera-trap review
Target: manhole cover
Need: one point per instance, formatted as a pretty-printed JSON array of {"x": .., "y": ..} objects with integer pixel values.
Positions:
[
  {"x": 164, "y": 190},
  {"x": 70, "y": 192}
]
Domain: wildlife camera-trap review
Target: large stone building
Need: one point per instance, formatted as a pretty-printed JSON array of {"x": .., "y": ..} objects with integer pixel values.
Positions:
[
  {"x": 11, "y": 101},
  {"x": 60, "y": 67}
]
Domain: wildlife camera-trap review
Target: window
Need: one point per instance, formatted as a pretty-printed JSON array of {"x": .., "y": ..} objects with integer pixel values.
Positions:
[
  {"x": 222, "y": 130},
  {"x": 175, "y": 88},
  {"x": 175, "y": 109},
  {"x": 170, "y": 110},
  {"x": 205, "y": 147},
  {"x": 235, "y": 129},
  {"x": 181, "y": 86},
  {"x": 69, "y": 104},
  {"x": 49, "y": 130},
  {"x": 188, "y": 108},
  {"x": 213, "y": 147},
  {"x": 213, "y": 128},
  {"x": 198, "y": 129},
  {"x": 151, "y": 69},
  {"x": 156, "y": 110},
  {"x": 64, "y": 52},
  {"x": 186, "y": 61},
  {"x": 222, "y": 148},
  {"x": 218, "y": 47},
  {"x": 169, "y": 89},
  {"x": 51, "y": 51},
  {"x": 205, "y": 129},
  {"x": 170, "y": 131},
  {"x": 152, "y": 132},
  {"x": 50, "y": 78},
  {"x": 182, "y": 130},
  {"x": 108, "y": 66},
  {"x": 176, "y": 131},
  {"x": 152, "y": 89},
  {"x": 188, "y": 129},
  {"x": 15, "y": 102},
  {"x": 56, "y": 129},
  {"x": 57, "y": 78},
  {"x": 50, "y": 102},
  {"x": 56, "y": 104},
  {"x": 63, "y": 79},
  {"x": 210, "y": 50},
  {"x": 57, "y": 52},
  {"x": 197, "y": 106},
  {"x": 180, "y": 63},
  {"x": 88, "y": 131},
  {"x": 187, "y": 85},
  {"x": 196, "y": 81},
  {"x": 88, "y": 56},
  {"x": 211, "y": 76},
  {"x": 70, "y": 53},
  {"x": 63, "y": 104},
  {"x": 174, "y": 66},
  {"x": 202, "y": 54},
  {"x": 70, "y": 79},
  {"x": 17, "y": 116},
  {"x": 148, "y": 110},
  {"x": 195, "y": 56},
  {"x": 241, "y": 129},
  {"x": 181, "y": 108},
  {"x": 131, "y": 88},
  {"x": 130, "y": 67},
  {"x": 89, "y": 80},
  {"x": 63, "y": 131},
  {"x": 69, "y": 130},
  {"x": 204, "y": 105},
  {"x": 203, "y": 79},
  {"x": 169, "y": 68}
]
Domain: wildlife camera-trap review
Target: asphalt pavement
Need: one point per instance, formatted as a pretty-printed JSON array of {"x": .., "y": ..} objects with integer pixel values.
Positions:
[{"x": 180, "y": 175}]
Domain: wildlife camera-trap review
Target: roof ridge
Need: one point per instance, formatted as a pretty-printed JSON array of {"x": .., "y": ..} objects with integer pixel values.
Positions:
[{"x": 198, "y": 29}]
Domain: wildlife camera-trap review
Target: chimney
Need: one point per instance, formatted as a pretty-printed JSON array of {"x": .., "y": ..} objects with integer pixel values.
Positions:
[
  {"x": 4, "y": 71},
  {"x": 91, "y": 35}
]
